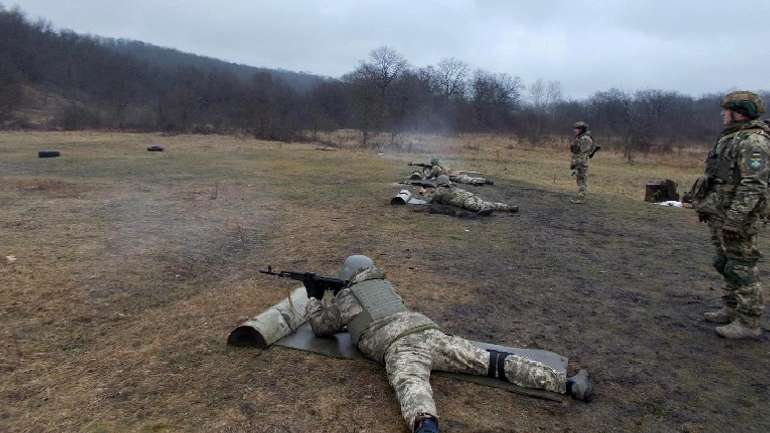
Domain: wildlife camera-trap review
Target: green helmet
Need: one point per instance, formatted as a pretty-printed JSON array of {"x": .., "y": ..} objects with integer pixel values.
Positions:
[
  {"x": 744, "y": 102},
  {"x": 354, "y": 265},
  {"x": 443, "y": 180},
  {"x": 434, "y": 161},
  {"x": 581, "y": 125}
]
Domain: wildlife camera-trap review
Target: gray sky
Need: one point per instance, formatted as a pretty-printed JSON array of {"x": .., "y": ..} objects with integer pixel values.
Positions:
[{"x": 693, "y": 46}]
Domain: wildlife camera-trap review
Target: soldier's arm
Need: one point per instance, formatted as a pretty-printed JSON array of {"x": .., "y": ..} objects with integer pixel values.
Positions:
[
  {"x": 752, "y": 169},
  {"x": 329, "y": 317}
]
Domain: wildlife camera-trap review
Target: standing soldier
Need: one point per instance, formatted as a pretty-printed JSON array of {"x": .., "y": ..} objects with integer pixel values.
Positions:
[
  {"x": 411, "y": 345},
  {"x": 582, "y": 149},
  {"x": 730, "y": 197}
]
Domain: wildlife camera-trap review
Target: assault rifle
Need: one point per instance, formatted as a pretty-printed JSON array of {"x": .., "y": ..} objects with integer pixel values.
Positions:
[
  {"x": 316, "y": 285},
  {"x": 419, "y": 164},
  {"x": 596, "y": 149}
]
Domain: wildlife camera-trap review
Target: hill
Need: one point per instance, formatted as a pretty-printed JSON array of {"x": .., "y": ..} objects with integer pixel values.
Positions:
[{"x": 61, "y": 79}]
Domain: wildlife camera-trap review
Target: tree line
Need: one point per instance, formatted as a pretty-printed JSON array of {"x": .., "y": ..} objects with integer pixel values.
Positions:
[{"x": 129, "y": 85}]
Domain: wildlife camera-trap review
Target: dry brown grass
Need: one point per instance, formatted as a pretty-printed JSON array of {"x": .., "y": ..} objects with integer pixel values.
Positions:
[
  {"x": 132, "y": 267},
  {"x": 507, "y": 157}
]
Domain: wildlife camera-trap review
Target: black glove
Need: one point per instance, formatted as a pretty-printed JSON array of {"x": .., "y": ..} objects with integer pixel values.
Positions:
[{"x": 572, "y": 166}]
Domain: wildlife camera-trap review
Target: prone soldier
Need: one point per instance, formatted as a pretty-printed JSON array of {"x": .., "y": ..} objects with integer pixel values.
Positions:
[
  {"x": 433, "y": 170},
  {"x": 731, "y": 197},
  {"x": 447, "y": 194},
  {"x": 411, "y": 345}
]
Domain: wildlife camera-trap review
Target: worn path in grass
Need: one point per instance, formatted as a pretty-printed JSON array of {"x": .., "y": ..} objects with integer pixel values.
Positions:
[{"x": 132, "y": 267}]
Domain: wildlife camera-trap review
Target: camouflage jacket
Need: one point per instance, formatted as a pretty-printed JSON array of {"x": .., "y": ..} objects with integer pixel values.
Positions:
[
  {"x": 737, "y": 174},
  {"x": 581, "y": 148},
  {"x": 330, "y": 316},
  {"x": 436, "y": 171}
]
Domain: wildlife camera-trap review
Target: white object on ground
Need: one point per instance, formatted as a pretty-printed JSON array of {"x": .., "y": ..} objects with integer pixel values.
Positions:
[
  {"x": 10, "y": 259},
  {"x": 670, "y": 203}
]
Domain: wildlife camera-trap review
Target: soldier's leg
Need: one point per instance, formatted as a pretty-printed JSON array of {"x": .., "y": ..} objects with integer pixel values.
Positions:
[
  {"x": 476, "y": 204},
  {"x": 741, "y": 273},
  {"x": 505, "y": 207},
  {"x": 458, "y": 355},
  {"x": 581, "y": 175},
  {"x": 729, "y": 298},
  {"x": 408, "y": 363}
]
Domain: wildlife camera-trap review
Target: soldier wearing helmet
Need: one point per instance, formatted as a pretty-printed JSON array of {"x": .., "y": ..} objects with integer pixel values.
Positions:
[
  {"x": 583, "y": 149},
  {"x": 730, "y": 198},
  {"x": 411, "y": 345},
  {"x": 435, "y": 170},
  {"x": 447, "y": 194}
]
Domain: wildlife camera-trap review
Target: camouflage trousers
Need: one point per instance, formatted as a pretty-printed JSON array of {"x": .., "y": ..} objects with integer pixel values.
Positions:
[
  {"x": 470, "y": 180},
  {"x": 410, "y": 359},
  {"x": 467, "y": 200},
  {"x": 581, "y": 177},
  {"x": 736, "y": 260}
]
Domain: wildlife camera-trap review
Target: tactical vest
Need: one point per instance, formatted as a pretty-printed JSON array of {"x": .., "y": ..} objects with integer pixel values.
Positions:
[
  {"x": 720, "y": 163},
  {"x": 378, "y": 299}
]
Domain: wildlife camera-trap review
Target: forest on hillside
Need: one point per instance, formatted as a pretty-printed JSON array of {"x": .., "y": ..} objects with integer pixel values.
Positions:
[{"x": 128, "y": 85}]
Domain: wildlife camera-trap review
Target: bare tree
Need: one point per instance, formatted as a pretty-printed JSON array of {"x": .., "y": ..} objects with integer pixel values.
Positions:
[{"x": 451, "y": 74}]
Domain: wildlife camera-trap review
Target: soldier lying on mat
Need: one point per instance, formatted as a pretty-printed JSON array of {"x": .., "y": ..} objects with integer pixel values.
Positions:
[{"x": 411, "y": 345}]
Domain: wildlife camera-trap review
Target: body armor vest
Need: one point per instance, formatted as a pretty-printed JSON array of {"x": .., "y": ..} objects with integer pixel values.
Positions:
[{"x": 378, "y": 299}]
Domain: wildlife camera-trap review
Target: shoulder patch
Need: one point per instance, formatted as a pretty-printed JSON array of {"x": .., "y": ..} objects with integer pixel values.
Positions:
[{"x": 756, "y": 161}]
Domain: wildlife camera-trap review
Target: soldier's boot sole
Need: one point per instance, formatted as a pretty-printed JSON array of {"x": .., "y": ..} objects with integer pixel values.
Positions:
[
  {"x": 722, "y": 316},
  {"x": 580, "y": 386},
  {"x": 736, "y": 330}
]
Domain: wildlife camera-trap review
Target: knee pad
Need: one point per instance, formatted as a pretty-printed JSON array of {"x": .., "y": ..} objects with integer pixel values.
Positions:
[
  {"x": 496, "y": 369},
  {"x": 739, "y": 273},
  {"x": 719, "y": 263}
]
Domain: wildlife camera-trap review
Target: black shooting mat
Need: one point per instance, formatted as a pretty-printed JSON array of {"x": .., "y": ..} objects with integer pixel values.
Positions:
[{"x": 340, "y": 346}]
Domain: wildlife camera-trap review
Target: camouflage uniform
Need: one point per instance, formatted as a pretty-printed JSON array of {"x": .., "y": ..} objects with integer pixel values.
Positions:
[
  {"x": 411, "y": 345},
  {"x": 467, "y": 179},
  {"x": 450, "y": 195},
  {"x": 582, "y": 149},
  {"x": 437, "y": 170},
  {"x": 730, "y": 198}
]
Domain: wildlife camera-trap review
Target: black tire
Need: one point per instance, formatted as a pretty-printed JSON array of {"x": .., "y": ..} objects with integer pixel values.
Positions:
[
  {"x": 48, "y": 154},
  {"x": 155, "y": 148}
]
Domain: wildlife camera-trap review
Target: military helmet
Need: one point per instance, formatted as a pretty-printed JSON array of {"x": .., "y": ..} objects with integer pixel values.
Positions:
[
  {"x": 434, "y": 161},
  {"x": 744, "y": 102},
  {"x": 581, "y": 125},
  {"x": 353, "y": 265},
  {"x": 443, "y": 180}
]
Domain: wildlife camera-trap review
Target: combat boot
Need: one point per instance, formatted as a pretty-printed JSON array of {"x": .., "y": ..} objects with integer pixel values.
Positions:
[
  {"x": 722, "y": 316},
  {"x": 580, "y": 387},
  {"x": 427, "y": 424},
  {"x": 741, "y": 328}
]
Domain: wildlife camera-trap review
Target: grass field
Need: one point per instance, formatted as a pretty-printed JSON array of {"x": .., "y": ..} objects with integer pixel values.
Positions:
[{"x": 123, "y": 271}]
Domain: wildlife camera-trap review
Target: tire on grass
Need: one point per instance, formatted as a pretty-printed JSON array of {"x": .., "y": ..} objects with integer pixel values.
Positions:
[{"x": 48, "y": 154}]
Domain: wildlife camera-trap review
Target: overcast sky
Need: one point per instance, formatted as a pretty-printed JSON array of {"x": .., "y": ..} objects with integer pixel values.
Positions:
[{"x": 693, "y": 46}]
